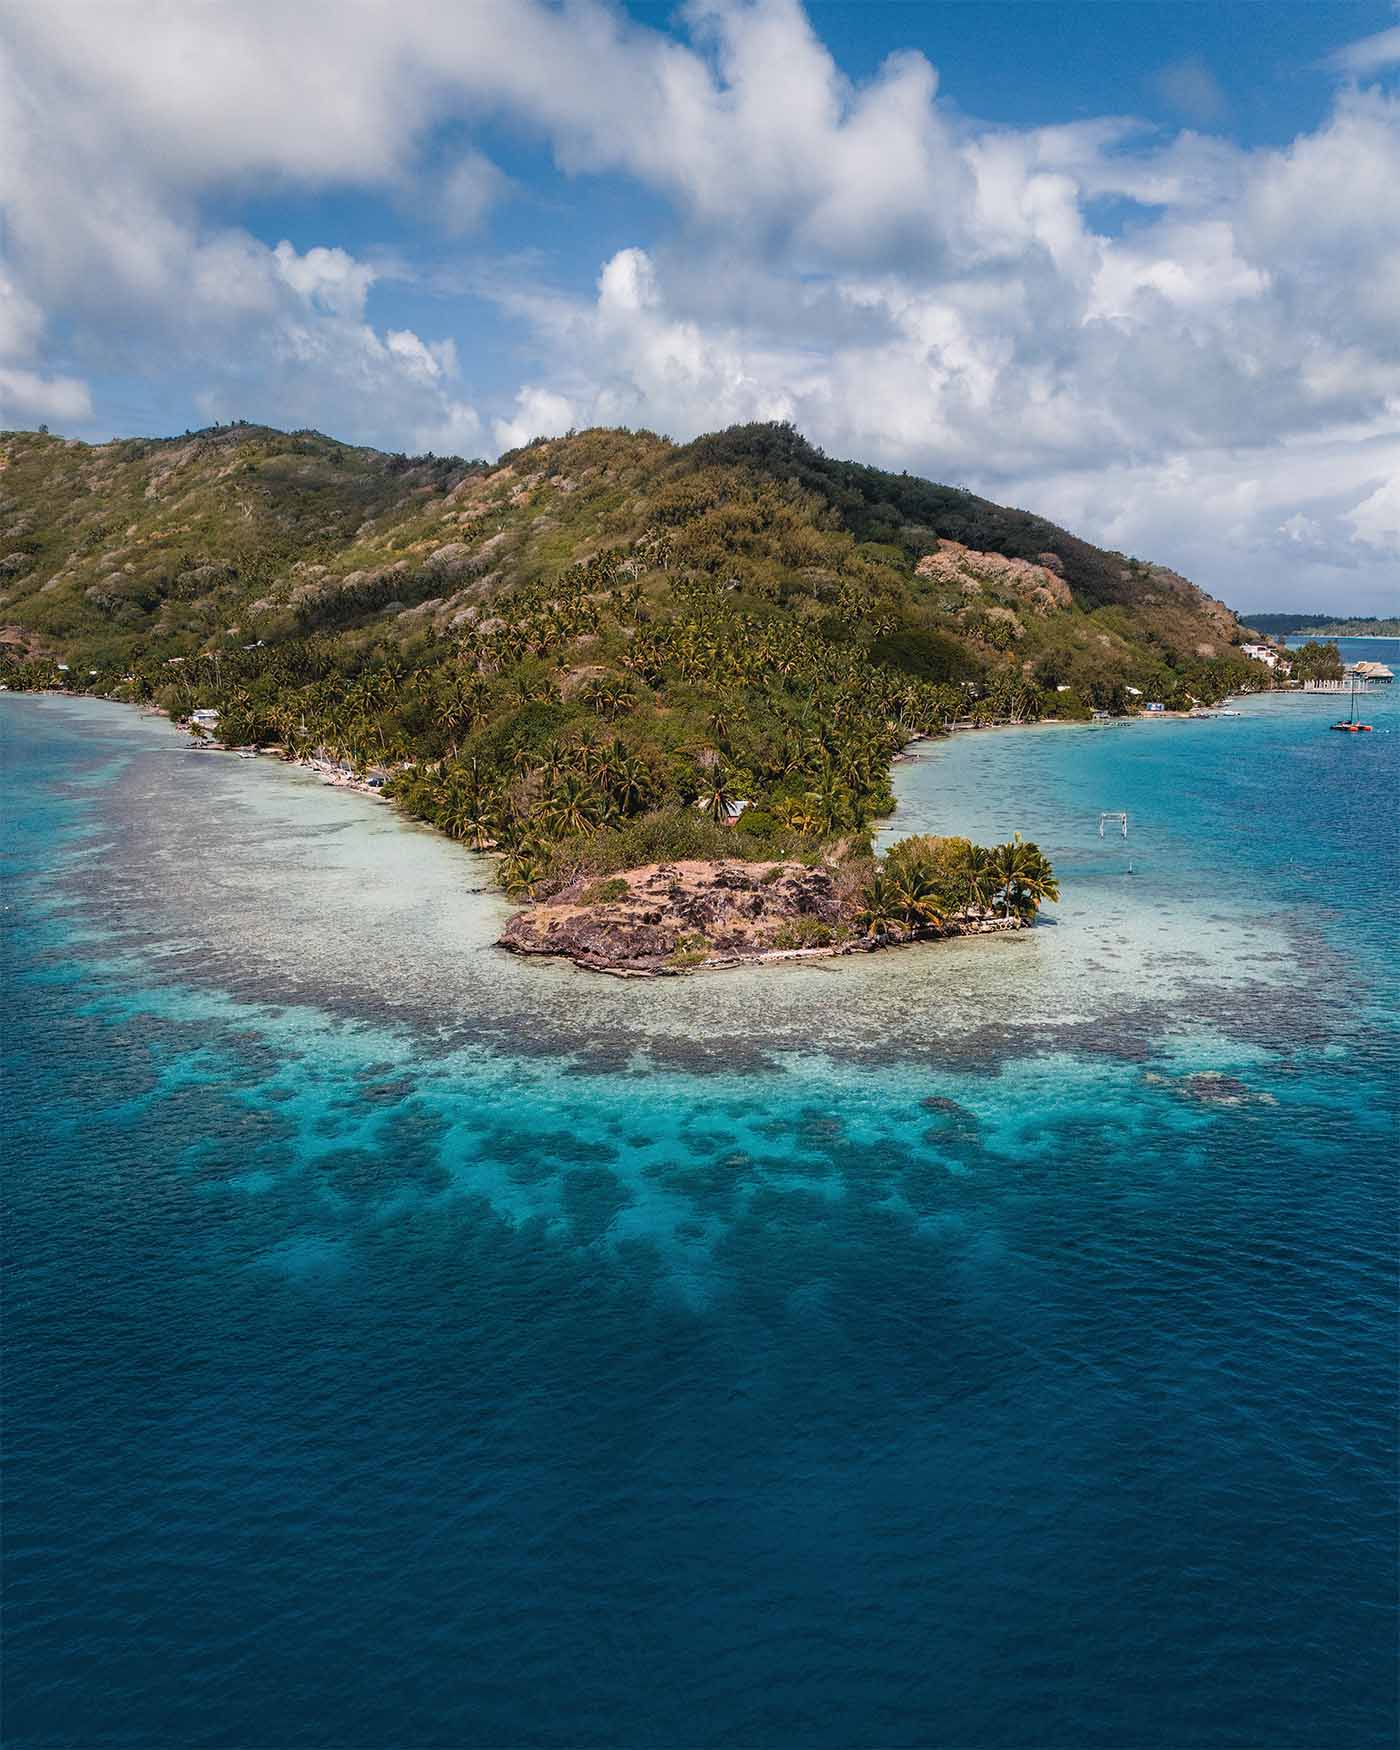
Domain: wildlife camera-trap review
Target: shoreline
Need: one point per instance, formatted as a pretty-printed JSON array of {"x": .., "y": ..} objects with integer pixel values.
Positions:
[
  {"x": 522, "y": 933},
  {"x": 309, "y": 879}
]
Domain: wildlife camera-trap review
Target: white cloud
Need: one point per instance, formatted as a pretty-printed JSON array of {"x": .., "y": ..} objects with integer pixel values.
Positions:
[
  {"x": 853, "y": 256},
  {"x": 1371, "y": 54},
  {"x": 28, "y": 398},
  {"x": 538, "y": 413},
  {"x": 32, "y": 397},
  {"x": 1376, "y": 519},
  {"x": 326, "y": 278}
]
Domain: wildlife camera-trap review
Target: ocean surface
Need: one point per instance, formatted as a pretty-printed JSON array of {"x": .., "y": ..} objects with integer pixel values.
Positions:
[{"x": 986, "y": 1344}]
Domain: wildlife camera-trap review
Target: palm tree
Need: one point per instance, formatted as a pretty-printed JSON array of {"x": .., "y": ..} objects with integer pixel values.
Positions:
[
  {"x": 609, "y": 696},
  {"x": 557, "y": 762},
  {"x": 522, "y": 869},
  {"x": 573, "y": 807},
  {"x": 798, "y": 815},
  {"x": 831, "y": 801},
  {"x": 630, "y": 783},
  {"x": 717, "y": 794},
  {"x": 880, "y": 911},
  {"x": 1025, "y": 877},
  {"x": 915, "y": 893},
  {"x": 1030, "y": 881},
  {"x": 981, "y": 877}
]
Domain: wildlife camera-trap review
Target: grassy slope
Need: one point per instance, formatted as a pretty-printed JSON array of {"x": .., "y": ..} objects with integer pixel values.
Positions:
[{"x": 160, "y": 545}]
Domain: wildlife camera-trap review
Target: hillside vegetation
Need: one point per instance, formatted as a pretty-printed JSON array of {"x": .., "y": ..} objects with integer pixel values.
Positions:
[{"x": 562, "y": 654}]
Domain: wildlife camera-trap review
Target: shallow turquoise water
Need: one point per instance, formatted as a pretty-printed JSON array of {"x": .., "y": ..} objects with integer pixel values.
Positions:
[{"x": 412, "y": 1346}]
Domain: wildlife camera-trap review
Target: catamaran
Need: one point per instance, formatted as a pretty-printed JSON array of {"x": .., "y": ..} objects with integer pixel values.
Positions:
[{"x": 1349, "y": 725}]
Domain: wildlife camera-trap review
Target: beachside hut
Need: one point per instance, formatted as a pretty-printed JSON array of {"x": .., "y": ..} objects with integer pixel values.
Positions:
[{"x": 732, "y": 809}]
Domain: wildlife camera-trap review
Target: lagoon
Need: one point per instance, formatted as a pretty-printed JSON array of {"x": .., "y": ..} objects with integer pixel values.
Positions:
[{"x": 985, "y": 1344}]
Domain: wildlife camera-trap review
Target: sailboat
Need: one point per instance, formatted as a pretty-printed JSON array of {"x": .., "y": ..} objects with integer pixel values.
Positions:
[{"x": 1349, "y": 725}]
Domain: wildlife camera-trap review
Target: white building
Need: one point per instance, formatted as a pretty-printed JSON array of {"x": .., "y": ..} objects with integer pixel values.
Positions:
[{"x": 1261, "y": 653}]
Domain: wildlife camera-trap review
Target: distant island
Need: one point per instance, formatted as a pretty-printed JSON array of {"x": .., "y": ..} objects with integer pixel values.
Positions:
[
  {"x": 662, "y": 683},
  {"x": 1322, "y": 626}
]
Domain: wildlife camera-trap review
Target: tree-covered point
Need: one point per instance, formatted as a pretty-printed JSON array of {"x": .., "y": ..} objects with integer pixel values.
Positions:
[
  {"x": 601, "y": 636},
  {"x": 925, "y": 883},
  {"x": 1316, "y": 661}
]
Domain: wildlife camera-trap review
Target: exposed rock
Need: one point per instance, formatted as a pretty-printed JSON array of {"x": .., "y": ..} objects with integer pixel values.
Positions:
[
  {"x": 1040, "y": 586},
  {"x": 452, "y": 560},
  {"x": 675, "y": 915},
  {"x": 668, "y": 918}
]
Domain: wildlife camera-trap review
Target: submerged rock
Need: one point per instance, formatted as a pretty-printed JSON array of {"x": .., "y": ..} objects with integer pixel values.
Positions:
[{"x": 1211, "y": 1087}]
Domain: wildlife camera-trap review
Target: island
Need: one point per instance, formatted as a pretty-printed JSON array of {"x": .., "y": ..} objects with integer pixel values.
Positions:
[
  {"x": 668, "y": 918},
  {"x": 661, "y": 685},
  {"x": 1323, "y": 625}
]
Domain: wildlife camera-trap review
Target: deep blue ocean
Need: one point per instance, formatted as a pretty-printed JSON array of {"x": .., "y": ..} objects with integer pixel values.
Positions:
[{"x": 990, "y": 1344}]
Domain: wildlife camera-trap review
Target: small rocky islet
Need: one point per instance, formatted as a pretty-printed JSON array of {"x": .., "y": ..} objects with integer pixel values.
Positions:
[{"x": 671, "y": 918}]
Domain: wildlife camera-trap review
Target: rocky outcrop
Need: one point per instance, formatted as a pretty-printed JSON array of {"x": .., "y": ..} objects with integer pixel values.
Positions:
[
  {"x": 669, "y": 918},
  {"x": 1041, "y": 587}
]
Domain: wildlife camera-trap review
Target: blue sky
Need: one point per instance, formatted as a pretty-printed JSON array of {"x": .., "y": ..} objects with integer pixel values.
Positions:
[{"x": 1134, "y": 265}]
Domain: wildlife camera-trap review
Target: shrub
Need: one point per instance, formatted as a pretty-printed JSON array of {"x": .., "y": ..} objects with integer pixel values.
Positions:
[
  {"x": 943, "y": 860},
  {"x": 690, "y": 951},
  {"x": 758, "y": 823},
  {"x": 604, "y": 892},
  {"x": 668, "y": 835},
  {"x": 807, "y": 933}
]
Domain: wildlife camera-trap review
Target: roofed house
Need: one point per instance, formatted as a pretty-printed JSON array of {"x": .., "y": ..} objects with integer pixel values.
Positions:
[{"x": 1376, "y": 672}]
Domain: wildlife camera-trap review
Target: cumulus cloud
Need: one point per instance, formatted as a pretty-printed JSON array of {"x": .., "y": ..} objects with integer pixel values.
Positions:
[
  {"x": 326, "y": 278},
  {"x": 32, "y": 397},
  {"x": 1376, "y": 519},
  {"x": 538, "y": 413},
  {"x": 29, "y": 398},
  {"x": 850, "y": 255}
]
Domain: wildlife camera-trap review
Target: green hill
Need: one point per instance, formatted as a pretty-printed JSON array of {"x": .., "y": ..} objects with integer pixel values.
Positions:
[{"x": 597, "y": 628}]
